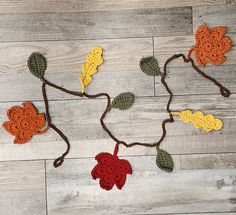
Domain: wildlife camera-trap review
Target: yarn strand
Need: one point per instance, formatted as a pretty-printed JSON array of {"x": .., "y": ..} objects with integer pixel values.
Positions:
[
  {"x": 57, "y": 162},
  {"x": 224, "y": 92}
]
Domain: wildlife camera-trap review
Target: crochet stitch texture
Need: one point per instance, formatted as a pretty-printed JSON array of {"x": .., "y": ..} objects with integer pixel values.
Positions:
[
  {"x": 111, "y": 170},
  {"x": 24, "y": 122},
  {"x": 207, "y": 122},
  {"x": 211, "y": 45},
  {"x": 89, "y": 68}
]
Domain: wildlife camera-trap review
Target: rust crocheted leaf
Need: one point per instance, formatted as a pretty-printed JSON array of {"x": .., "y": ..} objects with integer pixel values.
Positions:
[
  {"x": 123, "y": 101},
  {"x": 24, "y": 122},
  {"x": 149, "y": 65},
  {"x": 164, "y": 160},
  {"x": 211, "y": 45},
  {"x": 37, "y": 64}
]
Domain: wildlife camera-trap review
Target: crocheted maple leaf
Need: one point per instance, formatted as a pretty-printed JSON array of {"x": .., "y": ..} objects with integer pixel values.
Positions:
[
  {"x": 24, "y": 122},
  {"x": 111, "y": 170},
  {"x": 211, "y": 45}
]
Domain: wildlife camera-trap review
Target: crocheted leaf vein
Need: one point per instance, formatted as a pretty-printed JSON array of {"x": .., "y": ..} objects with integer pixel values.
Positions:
[
  {"x": 207, "y": 122},
  {"x": 149, "y": 65},
  {"x": 164, "y": 160},
  {"x": 89, "y": 68},
  {"x": 123, "y": 101},
  {"x": 37, "y": 64}
]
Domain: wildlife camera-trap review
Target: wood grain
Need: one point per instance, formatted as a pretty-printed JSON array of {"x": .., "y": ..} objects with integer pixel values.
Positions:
[
  {"x": 22, "y": 188},
  {"x": 65, "y": 59},
  {"x": 204, "y": 177},
  {"x": 79, "y": 120},
  {"x": 71, "y": 190},
  {"x": 208, "y": 161},
  {"x": 220, "y": 15},
  {"x": 165, "y": 47},
  {"x": 95, "y": 25},
  {"x": 31, "y": 6},
  {"x": 186, "y": 81},
  {"x": 229, "y": 213}
]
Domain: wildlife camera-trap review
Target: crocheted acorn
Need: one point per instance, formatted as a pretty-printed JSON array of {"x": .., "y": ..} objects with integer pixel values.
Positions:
[
  {"x": 211, "y": 45},
  {"x": 24, "y": 122},
  {"x": 111, "y": 170},
  {"x": 207, "y": 122}
]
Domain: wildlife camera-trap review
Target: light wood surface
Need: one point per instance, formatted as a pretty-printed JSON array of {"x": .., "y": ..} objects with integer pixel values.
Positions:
[
  {"x": 22, "y": 187},
  {"x": 204, "y": 177},
  {"x": 30, "y": 6},
  {"x": 96, "y": 24}
]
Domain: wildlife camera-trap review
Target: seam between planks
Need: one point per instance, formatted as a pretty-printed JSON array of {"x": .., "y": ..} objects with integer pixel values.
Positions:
[
  {"x": 124, "y": 156},
  {"x": 139, "y": 97},
  {"x": 46, "y": 189}
]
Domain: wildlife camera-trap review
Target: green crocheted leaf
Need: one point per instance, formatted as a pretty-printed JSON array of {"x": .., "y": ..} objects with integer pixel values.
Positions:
[
  {"x": 123, "y": 101},
  {"x": 164, "y": 160},
  {"x": 37, "y": 64},
  {"x": 149, "y": 65}
]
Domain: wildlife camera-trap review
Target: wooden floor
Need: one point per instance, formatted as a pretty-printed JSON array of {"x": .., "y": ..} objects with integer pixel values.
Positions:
[{"x": 204, "y": 178}]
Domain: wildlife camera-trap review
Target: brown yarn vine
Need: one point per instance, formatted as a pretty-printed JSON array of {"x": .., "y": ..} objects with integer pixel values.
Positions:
[
  {"x": 224, "y": 91},
  {"x": 25, "y": 121}
]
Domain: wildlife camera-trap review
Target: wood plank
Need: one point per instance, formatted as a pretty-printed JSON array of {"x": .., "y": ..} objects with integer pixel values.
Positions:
[
  {"x": 165, "y": 47},
  {"x": 220, "y": 15},
  {"x": 186, "y": 81},
  {"x": 71, "y": 190},
  {"x": 95, "y": 24},
  {"x": 22, "y": 188},
  {"x": 31, "y": 6},
  {"x": 208, "y": 161},
  {"x": 65, "y": 60},
  {"x": 228, "y": 213},
  {"x": 79, "y": 120}
]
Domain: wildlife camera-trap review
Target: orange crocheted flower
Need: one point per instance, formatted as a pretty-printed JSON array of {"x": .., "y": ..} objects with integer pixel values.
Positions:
[
  {"x": 24, "y": 122},
  {"x": 211, "y": 44}
]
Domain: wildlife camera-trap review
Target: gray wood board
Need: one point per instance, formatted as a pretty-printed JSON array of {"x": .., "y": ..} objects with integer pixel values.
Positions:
[
  {"x": 22, "y": 188},
  {"x": 119, "y": 73},
  {"x": 79, "y": 120},
  {"x": 220, "y": 15},
  {"x": 165, "y": 47},
  {"x": 96, "y": 24},
  {"x": 71, "y": 190},
  {"x": 186, "y": 81},
  {"x": 31, "y": 6}
]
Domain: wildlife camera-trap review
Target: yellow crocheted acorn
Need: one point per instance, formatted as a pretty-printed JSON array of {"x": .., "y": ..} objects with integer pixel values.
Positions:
[
  {"x": 207, "y": 122},
  {"x": 89, "y": 68}
]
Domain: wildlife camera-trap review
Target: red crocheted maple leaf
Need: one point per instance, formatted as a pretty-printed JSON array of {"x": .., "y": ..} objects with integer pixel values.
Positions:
[{"x": 111, "y": 170}]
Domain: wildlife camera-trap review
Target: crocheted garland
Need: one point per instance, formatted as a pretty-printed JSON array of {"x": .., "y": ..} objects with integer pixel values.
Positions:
[{"x": 211, "y": 44}]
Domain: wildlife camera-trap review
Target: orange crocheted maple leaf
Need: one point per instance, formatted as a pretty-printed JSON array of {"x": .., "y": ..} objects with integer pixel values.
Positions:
[
  {"x": 24, "y": 122},
  {"x": 211, "y": 45}
]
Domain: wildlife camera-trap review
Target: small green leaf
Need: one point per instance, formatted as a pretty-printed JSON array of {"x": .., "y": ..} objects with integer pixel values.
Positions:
[
  {"x": 37, "y": 64},
  {"x": 149, "y": 65},
  {"x": 123, "y": 101},
  {"x": 164, "y": 160}
]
